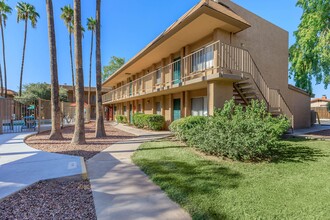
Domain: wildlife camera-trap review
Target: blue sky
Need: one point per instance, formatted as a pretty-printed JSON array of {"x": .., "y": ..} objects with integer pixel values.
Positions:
[{"x": 127, "y": 27}]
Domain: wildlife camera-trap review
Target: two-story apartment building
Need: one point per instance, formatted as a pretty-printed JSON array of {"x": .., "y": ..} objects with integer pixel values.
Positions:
[{"x": 216, "y": 51}]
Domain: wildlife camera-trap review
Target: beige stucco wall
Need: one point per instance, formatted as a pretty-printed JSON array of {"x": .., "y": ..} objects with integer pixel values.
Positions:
[{"x": 299, "y": 104}]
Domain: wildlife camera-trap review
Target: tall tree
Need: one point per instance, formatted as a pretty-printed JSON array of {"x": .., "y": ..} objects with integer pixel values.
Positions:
[
  {"x": 91, "y": 25},
  {"x": 55, "y": 133},
  {"x": 114, "y": 64},
  {"x": 4, "y": 11},
  {"x": 310, "y": 54},
  {"x": 100, "y": 131},
  {"x": 25, "y": 12},
  {"x": 79, "y": 131},
  {"x": 67, "y": 16}
]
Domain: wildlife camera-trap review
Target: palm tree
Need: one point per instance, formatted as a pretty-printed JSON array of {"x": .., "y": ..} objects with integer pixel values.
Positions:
[
  {"x": 55, "y": 133},
  {"x": 100, "y": 131},
  {"x": 79, "y": 131},
  {"x": 67, "y": 16},
  {"x": 4, "y": 10},
  {"x": 1, "y": 82},
  {"x": 25, "y": 12},
  {"x": 91, "y": 25}
]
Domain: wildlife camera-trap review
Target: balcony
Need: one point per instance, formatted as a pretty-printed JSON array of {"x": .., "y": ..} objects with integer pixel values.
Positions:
[{"x": 207, "y": 63}]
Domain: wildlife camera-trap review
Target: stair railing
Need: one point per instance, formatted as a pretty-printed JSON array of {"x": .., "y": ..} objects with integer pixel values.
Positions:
[{"x": 238, "y": 59}]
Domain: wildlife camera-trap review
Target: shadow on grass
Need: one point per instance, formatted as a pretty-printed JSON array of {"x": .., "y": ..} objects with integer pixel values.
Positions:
[
  {"x": 185, "y": 180},
  {"x": 296, "y": 153}
]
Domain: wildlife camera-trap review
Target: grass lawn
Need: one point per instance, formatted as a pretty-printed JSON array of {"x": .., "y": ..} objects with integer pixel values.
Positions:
[{"x": 296, "y": 185}]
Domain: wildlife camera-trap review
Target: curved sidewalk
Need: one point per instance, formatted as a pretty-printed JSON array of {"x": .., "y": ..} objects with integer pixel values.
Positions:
[
  {"x": 22, "y": 166},
  {"x": 121, "y": 190}
]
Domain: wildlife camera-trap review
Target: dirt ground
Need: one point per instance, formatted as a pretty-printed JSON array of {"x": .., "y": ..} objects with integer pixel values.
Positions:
[{"x": 93, "y": 146}]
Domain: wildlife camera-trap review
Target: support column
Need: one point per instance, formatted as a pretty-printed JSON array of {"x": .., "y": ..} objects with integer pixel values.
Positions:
[
  {"x": 170, "y": 107},
  {"x": 187, "y": 109},
  {"x": 182, "y": 104},
  {"x": 142, "y": 105},
  {"x": 218, "y": 92},
  {"x": 127, "y": 111},
  {"x": 171, "y": 58},
  {"x": 162, "y": 103},
  {"x": 153, "y": 105},
  {"x": 163, "y": 72},
  {"x": 182, "y": 55},
  {"x": 186, "y": 63}
]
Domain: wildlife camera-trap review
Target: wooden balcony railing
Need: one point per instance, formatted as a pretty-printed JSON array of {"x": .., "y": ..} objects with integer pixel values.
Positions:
[{"x": 217, "y": 57}]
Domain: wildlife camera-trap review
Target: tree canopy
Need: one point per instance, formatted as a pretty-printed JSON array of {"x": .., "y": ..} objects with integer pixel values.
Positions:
[
  {"x": 33, "y": 91},
  {"x": 310, "y": 55},
  {"x": 114, "y": 64}
]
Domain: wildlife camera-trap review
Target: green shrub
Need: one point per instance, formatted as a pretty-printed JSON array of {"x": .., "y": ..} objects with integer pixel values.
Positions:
[
  {"x": 250, "y": 134},
  {"x": 183, "y": 128},
  {"x": 121, "y": 119},
  {"x": 152, "y": 122},
  {"x": 138, "y": 120}
]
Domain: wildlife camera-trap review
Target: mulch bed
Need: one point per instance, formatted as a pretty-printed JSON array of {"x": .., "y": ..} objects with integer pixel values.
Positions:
[
  {"x": 87, "y": 151},
  {"x": 63, "y": 198},
  {"x": 325, "y": 133}
]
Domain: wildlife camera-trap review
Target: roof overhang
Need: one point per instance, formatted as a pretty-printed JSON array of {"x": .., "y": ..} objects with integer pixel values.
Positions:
[{"x": 197, "y": 23}]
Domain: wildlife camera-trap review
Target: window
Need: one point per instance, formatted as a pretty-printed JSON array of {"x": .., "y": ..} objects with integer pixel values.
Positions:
[
  {"x": 139, "y": 108},
  {"x": 199, "y": 106},
  {"x": 124, "y": 110},
  {"x": 158, "y": 108},
  {"x": 158, "y": 76},
  {"x": 202, "y": 59},
  {"x": 115, "y": 110}
]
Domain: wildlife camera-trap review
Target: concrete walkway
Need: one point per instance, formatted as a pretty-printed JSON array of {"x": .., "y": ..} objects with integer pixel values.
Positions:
[
  {"x": 22, "y": 166},
  {"x": 121, "y": 190},
  {"x": 305, "y": 132}
]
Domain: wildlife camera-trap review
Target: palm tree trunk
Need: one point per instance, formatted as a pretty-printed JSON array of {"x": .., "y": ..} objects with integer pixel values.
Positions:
[
  {"x": 23, "y": 57},
  {"x": 1, "y": 82},
  {"x": 55, "y": 133},
  {"x": 4, "y": 56},
  {"x": 72, "y": 71},
  {"x": 100, "y": 131},
  {"x": 90, "y": 70},
  {"x": 79, "y": 131}
]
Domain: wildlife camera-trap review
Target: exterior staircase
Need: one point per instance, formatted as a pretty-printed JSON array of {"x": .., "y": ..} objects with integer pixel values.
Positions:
[
  {"x": 245, "y": 92},
  {"x": 252, "y": 86}
]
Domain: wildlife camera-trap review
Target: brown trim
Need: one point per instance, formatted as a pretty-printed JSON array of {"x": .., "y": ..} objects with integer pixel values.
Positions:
[{"x": 296, "y": 89}]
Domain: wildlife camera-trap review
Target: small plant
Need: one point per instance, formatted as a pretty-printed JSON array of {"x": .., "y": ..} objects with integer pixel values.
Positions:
[{"x": 121, "y": 119}]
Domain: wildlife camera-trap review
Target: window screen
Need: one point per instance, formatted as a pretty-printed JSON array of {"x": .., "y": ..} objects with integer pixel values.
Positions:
[{"x": 199, "y": 106}]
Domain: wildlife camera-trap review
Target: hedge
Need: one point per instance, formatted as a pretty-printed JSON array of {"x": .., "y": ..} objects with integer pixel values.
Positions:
[
  {"x": 152, "y": 122},
  {"x": 183, "y": 127},
  {"x": 121, "y": 119},
  {"x": 234, "y": 132}
]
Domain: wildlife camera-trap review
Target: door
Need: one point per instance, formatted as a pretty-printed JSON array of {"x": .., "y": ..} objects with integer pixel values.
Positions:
[
  {"x": 177, "y": 71},
  {"x": 131, "y": 114},
  {"x": 176, "y": 109}
]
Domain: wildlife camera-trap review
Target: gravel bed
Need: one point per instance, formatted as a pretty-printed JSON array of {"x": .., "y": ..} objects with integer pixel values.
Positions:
[
  {"x": 93, "y": 146},
  {"x": 64, "y": 198}
]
